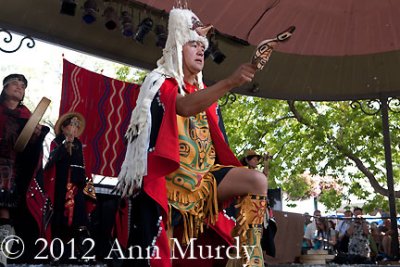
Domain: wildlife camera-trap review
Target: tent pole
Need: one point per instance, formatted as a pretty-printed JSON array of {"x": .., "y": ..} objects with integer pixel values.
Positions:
[{"x": 389, "y": 174}]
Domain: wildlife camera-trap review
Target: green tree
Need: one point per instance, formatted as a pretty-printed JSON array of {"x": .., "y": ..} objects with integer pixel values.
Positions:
[
  {"x": 320, "y": 138},
  {"x": 128, "y": 74}
]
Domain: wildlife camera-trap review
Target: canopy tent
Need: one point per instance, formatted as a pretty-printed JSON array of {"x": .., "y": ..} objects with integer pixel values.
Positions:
[{"x": 346, "y": 49}]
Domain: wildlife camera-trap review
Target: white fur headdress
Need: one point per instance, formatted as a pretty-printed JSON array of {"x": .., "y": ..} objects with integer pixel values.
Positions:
[{"x": 182, "y": 28}]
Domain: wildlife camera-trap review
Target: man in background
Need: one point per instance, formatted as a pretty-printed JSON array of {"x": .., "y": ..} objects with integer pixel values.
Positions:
[
  {"x": 311, "y": 228},
  {"x": 341, "y": 229}
]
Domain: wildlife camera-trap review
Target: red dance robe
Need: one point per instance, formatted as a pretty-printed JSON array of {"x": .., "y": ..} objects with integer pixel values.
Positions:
[
  {"x": 50, "y": 184},
  {"x": 28, "y": 169},
  {"x": 11, "y": 123},
  {"x": 164, "y": 159}
]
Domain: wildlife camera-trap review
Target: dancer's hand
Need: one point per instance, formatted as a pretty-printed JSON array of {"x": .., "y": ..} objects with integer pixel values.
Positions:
[{"x": 243, "y": 74}]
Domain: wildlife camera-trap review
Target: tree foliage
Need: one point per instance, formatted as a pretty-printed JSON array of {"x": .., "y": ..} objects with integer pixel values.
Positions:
[
  {"x": 128, "y": 74},
  {"x": 319, "y": 138}
]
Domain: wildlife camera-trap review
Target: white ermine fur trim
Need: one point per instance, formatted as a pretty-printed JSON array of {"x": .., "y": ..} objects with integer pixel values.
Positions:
[{"x": 134, "y": 167}]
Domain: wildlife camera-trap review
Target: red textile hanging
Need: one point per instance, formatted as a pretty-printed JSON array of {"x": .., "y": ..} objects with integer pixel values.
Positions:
[{"x": 106, "y": 104}]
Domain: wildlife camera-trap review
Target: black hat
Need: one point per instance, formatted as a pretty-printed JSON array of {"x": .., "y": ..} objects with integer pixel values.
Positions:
[
  {"x": 69, "y": 115},
  {"x": 15, "y": 76}
]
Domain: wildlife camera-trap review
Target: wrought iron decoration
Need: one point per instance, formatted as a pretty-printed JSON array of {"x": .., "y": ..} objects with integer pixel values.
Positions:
[
  {"x": 30, "y": 43},
  {"x": 373, "y": 106}
]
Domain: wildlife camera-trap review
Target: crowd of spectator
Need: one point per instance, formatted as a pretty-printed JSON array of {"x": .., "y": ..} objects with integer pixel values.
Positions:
[{"x": 351, "y": 238}]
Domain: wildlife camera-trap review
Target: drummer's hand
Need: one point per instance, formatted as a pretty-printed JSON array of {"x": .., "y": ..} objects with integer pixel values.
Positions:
[{"x": 38, "y": 129}]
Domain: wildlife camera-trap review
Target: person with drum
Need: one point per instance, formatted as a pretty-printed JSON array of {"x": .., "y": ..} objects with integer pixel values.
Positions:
[{"x": 17, "y": 168}]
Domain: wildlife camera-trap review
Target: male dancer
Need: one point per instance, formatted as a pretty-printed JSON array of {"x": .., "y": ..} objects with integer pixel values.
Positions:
[{"x": 178, "y": 166}]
